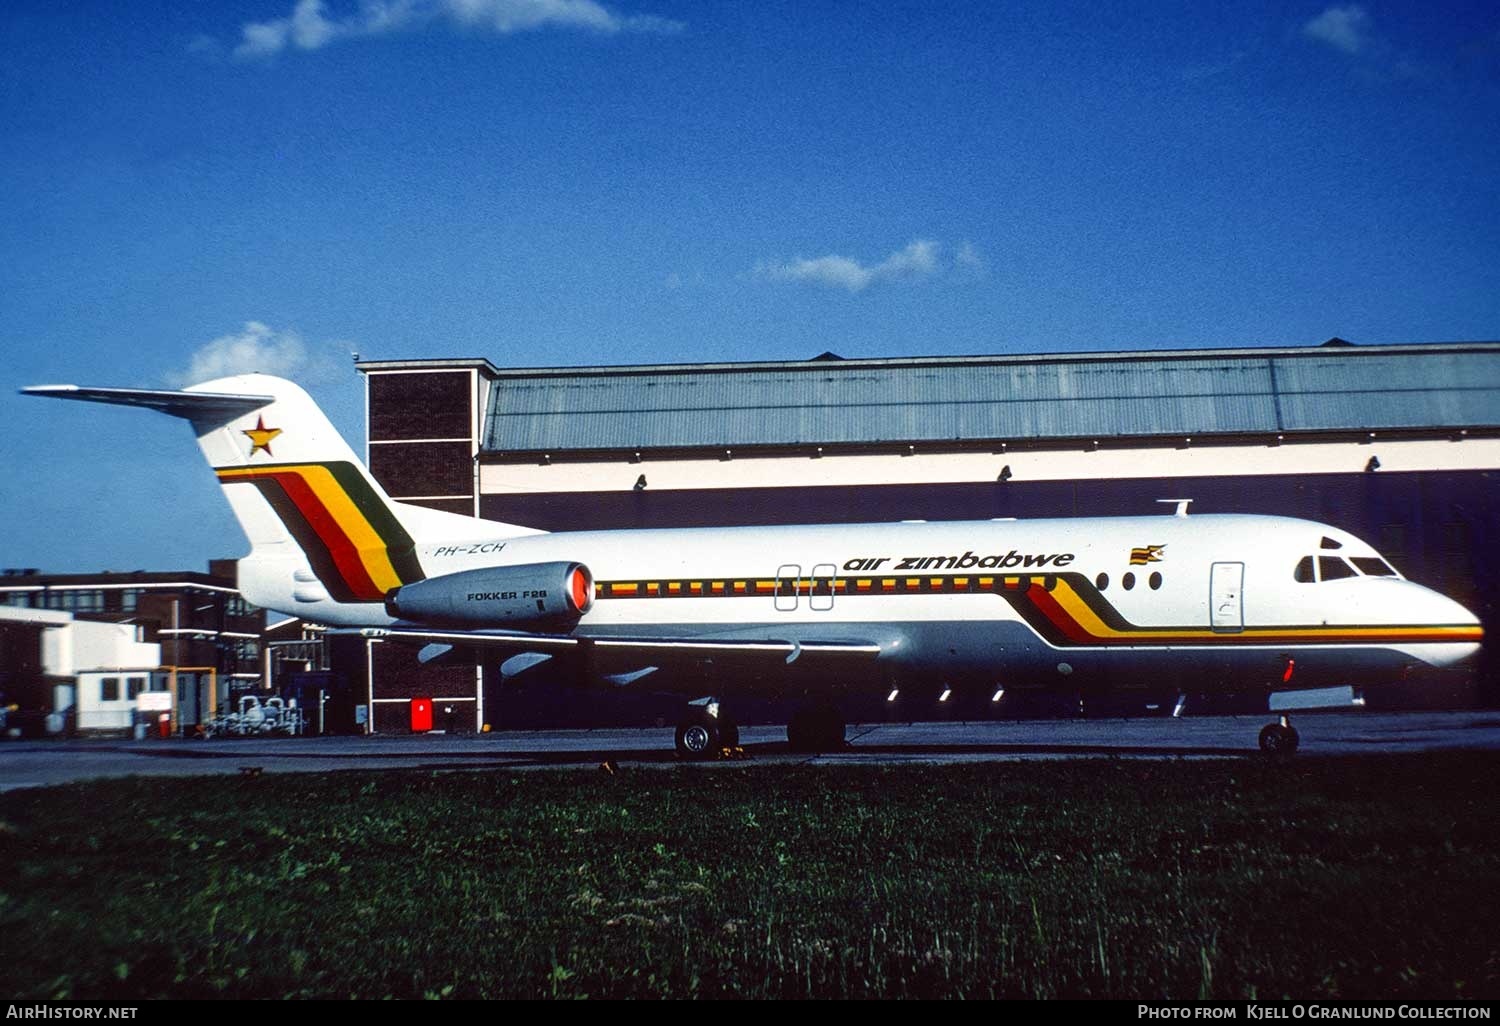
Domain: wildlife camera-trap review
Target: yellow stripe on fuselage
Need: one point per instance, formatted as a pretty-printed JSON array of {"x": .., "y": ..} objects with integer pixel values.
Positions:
[{"x": 1073, "y": 604}]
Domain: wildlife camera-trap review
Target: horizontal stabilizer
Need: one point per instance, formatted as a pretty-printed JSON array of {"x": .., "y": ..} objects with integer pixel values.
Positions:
[{"x": 187, "y": 405}]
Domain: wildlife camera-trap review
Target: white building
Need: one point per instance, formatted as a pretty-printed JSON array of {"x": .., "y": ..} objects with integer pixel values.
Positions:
[{"x": 96, "y": 669}]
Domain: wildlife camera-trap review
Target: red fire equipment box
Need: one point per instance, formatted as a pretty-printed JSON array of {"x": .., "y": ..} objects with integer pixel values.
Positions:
[{"x": 421, "y": 715}]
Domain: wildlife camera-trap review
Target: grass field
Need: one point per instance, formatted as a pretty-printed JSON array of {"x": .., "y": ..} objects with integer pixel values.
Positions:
[{"x": 1363, "y": 877}]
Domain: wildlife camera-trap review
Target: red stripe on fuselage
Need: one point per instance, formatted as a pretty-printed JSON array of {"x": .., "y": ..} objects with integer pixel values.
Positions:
[
  {"x": 344, "y": 552},
  {"x": 1060, "y": 617}
]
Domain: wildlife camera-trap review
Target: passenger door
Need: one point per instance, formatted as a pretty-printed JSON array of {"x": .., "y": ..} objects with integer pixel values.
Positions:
[
  {"x": 1226, "y": 604},
  {"x": 787, "y": 576},
  {"x": 821, "y": 597}
]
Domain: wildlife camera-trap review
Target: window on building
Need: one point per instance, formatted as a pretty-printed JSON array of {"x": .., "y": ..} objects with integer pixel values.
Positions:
[
  {"x": 109, "y": 689},
  {"x": 134, "y": 686},
  {"x": 237, "y": 606},
  {"x": 77, "y": 600}
]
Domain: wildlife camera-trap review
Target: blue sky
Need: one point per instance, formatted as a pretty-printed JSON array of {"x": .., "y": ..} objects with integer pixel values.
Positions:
[{"x": 547, "y": 182}]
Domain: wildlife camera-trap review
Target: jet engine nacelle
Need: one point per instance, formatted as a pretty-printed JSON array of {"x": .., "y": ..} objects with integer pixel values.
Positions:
[{"x": 498, "y": 596}]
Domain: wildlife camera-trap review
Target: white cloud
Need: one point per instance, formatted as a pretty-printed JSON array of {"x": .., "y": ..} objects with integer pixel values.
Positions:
[
  {"x": 917, "y": 260},
  {"x": 259, "y": 349},
  {"x": 309, "y": 26},
  {"x": 1347, "y": 28}
]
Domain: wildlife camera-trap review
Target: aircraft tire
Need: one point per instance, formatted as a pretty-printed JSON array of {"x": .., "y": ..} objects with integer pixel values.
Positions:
[
  {"x": 1276, "y": 739},
  {"x": 698, "y": 735}
]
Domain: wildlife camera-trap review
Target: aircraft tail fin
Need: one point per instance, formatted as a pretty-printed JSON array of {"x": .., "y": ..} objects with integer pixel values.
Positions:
[{"x": 321, "y": 529}]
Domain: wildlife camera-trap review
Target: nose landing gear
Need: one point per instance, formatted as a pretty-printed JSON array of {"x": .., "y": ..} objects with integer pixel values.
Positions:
[{"x": 1279, "y": 738}]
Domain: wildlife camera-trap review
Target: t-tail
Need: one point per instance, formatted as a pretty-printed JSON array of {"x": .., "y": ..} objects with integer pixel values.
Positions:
[{"x": 326, "y": 542}]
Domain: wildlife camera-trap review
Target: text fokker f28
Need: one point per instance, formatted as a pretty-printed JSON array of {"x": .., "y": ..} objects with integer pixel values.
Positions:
[{"x": 1219, "y": 602}]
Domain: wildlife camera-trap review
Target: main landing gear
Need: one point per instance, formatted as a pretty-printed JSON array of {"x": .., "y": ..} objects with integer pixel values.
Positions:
[
  {"x": 816, "y": 728},
  {"x": 1279, "y": 738},
  {"x": 705, "y": 731}
]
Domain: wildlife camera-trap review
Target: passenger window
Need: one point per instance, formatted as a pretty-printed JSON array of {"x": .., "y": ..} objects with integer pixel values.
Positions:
[
  {"x": 1331, "y": 568},
  {"x": 1101, "y": 582},
  {"x": 1304, "y": 572},
  {"x": 1155, "y": 581},
  {"x": 1373, "y": 566},
  {"x": 1127, "y": 582}
]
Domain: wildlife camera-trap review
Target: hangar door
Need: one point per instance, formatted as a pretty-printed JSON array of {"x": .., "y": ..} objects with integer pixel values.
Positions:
[{"x": 1226, "y": 606}]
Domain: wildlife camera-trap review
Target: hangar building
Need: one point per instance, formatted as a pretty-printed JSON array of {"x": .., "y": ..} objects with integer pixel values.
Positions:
[{"x": 1399, "y": 444}]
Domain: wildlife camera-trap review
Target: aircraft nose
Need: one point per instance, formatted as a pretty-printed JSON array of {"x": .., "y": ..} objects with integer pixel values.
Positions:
[
  {"x": 1457, "y": 630},
  {"x": 1438, "y": 608}
]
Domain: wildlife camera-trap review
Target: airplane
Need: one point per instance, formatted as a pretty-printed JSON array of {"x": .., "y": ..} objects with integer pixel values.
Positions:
[{"x": 1203, "y": 602}]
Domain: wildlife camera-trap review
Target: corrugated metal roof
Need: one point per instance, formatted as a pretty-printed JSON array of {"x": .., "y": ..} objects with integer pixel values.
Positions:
[{"x": 973, "y": 399}]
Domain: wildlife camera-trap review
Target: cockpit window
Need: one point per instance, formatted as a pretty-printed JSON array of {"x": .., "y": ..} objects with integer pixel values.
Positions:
[
  {"x": 1331, "y": 568},
  {"x": 1329, "y": 543},
  {"x": 1373, "y": 566},
  {"x": 1304, "y": 571}
]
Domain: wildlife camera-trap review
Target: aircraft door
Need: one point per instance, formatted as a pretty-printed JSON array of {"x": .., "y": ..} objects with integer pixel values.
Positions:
[
  {"x": 821, "y": 597},
  {"x": 1226, "y": 604},
  {"x": 787, "y": 576}
]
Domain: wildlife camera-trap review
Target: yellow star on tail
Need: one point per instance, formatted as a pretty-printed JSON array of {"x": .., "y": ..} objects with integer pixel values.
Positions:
[{"x": 261, "y": 436}]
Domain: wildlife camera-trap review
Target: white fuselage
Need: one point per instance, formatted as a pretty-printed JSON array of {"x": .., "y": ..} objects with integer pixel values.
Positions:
[{"x": 1212, "y": 596}]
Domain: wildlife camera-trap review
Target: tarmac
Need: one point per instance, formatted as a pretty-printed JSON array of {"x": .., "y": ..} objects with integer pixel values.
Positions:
[{"x": 25, "y": 764}]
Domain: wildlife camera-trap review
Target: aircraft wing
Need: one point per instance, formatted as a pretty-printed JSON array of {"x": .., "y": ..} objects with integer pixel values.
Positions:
[{"x": 636, "y": 650}]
